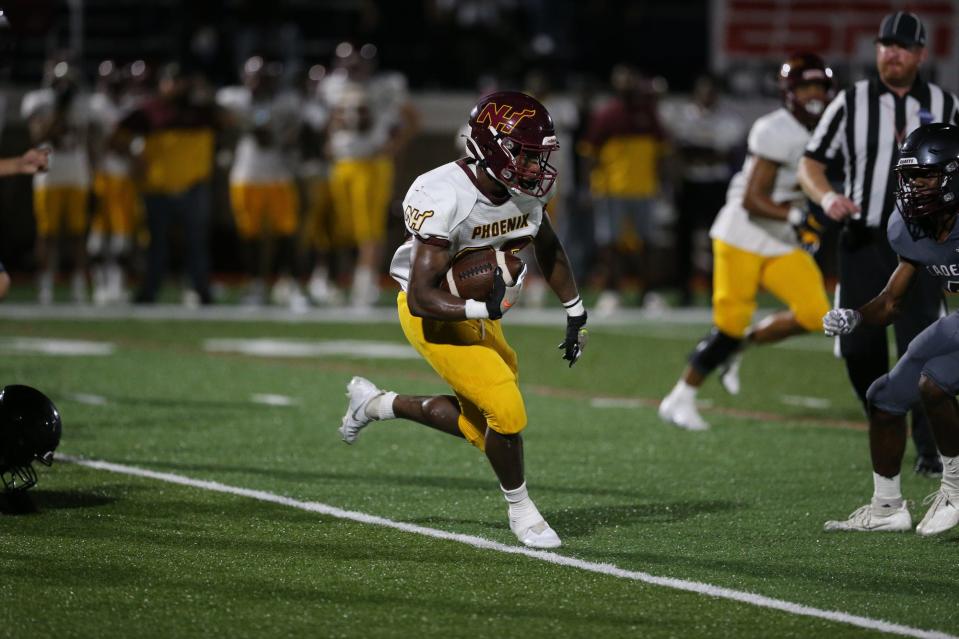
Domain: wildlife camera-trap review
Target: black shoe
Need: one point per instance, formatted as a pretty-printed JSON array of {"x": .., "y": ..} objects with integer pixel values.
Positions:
[{"x": 928, "y": 467}]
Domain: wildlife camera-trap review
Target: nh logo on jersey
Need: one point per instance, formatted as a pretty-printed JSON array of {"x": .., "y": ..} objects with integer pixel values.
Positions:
[
  {"x": 502, "y": 118},
  {"x": 414, "y": 218},
  {"x": 502, "y": 227}
]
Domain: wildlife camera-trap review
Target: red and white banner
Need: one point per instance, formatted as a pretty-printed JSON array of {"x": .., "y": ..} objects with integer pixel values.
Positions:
[{"x": 843, "y": 33}]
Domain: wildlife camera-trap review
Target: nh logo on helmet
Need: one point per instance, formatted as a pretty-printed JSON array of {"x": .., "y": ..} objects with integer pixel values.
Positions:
[{"x": 502, "y": 118}]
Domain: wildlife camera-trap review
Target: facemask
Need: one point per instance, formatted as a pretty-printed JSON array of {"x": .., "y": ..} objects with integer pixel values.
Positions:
[{"x": 814, "y": 107}]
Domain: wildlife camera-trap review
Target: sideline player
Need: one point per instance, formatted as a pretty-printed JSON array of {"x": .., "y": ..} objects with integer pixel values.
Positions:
[
  {"x": 756, "y": 243},
  {"x": 110, "y": 243},
  {"x": 924, "y": 235},
  {"x": 262, "y": 190},
  {"x": 372, "y": 119},
  {"x": 494, "y": 199},
  {"x": 57, "y": 116}
]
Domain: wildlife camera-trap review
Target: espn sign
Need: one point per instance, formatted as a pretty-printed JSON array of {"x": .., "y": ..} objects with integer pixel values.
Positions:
[{"x": 766, "y": 31}]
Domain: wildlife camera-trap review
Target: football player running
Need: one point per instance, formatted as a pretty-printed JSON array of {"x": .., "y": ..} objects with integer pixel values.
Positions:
[
  {"x": 757, "y": 241},
  {"x": 495, "y": 198},
  {"x": 924, "y": 235}
]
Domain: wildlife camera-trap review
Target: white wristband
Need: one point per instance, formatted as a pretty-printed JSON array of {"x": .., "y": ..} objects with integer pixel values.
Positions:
[
  {"x": 476, "y": 310},
  {"x": 795, "y": 216},
  {"x": 574, "y": 307},
  {"x": 827, "y": 200}
]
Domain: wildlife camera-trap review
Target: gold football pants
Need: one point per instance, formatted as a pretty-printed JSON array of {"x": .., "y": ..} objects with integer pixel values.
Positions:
[
  {"x": 258, "y": 207},
  {"x": 118, "y": 206},
  {"x": 794, "y": 278},
  {"x": 472, "y": 356},
  {"x": 361, "y": 191},
  {"x": 56, "y": 207}
]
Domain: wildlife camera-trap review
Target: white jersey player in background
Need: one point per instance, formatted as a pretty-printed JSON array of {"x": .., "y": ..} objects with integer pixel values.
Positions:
[
  {"x": 58, "y": 116},
  {"x": 112, "y": 227},
  {"x": 263, "y": 194},
  {"x": 496, "y": 199},
  {"x": 756, "y": 242},
  {"x": 372, "y": 119}
]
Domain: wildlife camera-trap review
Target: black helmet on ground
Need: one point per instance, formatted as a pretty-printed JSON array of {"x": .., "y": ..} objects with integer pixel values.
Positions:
[{"x": 30, "y": 430}]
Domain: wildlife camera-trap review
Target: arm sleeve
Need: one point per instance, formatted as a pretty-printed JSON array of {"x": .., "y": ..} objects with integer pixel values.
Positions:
[{"x": 826, "y": 140}]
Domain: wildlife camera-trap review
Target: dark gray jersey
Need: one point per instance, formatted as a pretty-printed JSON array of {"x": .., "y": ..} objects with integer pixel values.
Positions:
[
  {"x": 935, "y": 351},
  {"x": 941, "y": 260}
]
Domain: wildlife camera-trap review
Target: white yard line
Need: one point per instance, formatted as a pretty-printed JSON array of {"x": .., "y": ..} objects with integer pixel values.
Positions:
[{"x": 549, "y": 557}]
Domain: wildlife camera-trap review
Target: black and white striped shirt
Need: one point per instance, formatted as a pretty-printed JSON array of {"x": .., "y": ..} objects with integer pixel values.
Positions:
[{"x": 867, "y": 123}]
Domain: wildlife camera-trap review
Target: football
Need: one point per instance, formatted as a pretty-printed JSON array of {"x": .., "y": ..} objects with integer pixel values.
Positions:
[{"x": 470, "y": 276}]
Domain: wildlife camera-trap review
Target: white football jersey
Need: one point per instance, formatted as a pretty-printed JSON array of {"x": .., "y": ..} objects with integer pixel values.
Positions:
[
  {"x": 106, "y": 113},
  {"x": 69, "y": 164},
  {"x": 252, "y": 162},
  {"x": 779, "y": 137},
  {"x": 379, "y": 99},
  {"x": 445, "y": 205}
]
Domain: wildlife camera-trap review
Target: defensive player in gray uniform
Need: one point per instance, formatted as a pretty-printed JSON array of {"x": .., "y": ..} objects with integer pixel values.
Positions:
[{"x": 924, "y": 235}]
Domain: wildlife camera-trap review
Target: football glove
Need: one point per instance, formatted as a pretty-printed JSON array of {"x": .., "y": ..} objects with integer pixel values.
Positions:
[
  {"x": 810, "y": 230},
  {"x": 502, "y": 297},
  {"x": 576, "y": 337},
  {"x": 841, "y": 321}
]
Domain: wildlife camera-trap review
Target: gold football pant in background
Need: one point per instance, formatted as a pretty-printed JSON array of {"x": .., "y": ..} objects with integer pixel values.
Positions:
[
  {"x": 794, "y": 278},
  {"x": 472, "y": 356},
  {"x": 258, "y": 207},
  {"x": 361, "y": 193},
  {"x": 56, "y": 207}
]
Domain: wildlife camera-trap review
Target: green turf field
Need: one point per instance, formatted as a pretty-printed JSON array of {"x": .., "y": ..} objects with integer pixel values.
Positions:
[{"x": 739, "y": 507}]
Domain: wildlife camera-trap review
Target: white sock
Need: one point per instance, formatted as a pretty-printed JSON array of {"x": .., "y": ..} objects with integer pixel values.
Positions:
[
  {"x": 381, "y": 406},
  {"x": 320, "y": 273},
  {"x": 685, "y": 391},
  {"x": 950, "y": 473},
  {"x": 521, "y": 507},
  {"x": 886, "y": 491}
]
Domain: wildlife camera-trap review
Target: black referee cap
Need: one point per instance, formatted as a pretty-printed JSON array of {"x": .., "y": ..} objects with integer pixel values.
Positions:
[{"x": 902, "y": 28}]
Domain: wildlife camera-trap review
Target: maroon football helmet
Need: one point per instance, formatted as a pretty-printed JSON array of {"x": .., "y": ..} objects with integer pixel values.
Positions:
[
  {"x": 511, "y": 138},
  {"x": 800, "y": 69}
]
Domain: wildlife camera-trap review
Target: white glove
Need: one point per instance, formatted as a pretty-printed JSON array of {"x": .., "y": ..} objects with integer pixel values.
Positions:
[{"x": 841, "y": 321}]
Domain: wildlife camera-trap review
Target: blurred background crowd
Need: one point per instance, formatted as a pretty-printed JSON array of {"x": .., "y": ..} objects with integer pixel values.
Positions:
[{"x": 222, "y": 150}]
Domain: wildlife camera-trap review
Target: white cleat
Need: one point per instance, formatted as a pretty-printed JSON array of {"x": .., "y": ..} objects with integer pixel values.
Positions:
[
  {"x": 874, "y": 519},
  {"x": 942, "y": 515},
  {"x": 360, "y": 391},
  {"x": 681, "y": 412},
  {"x": 539, "y": 535},
  {"x": 323, "y": 292},
  {"x": 607, "y": 303},
  {"x": 729, "y": 374}
]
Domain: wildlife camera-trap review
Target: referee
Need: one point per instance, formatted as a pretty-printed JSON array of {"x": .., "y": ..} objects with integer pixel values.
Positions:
[{"x": 865, "y": 125}]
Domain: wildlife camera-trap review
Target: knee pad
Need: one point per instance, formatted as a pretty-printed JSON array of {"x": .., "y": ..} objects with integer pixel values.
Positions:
[
  {"x": 504, "y": 409},
  {"x": 882, "y": 396},
  {"x": 712, "y": 351},
  {"x": 875, "y": 389},
  {"x": 732, "y": 316}
]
